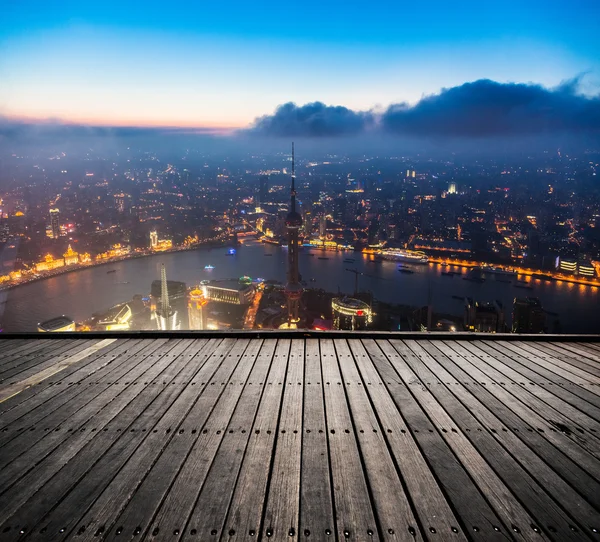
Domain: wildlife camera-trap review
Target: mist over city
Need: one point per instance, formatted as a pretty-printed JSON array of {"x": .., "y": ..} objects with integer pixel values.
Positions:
[{"x": 445, "y": 177}]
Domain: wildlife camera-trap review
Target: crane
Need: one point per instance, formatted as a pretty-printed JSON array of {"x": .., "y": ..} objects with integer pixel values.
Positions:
[{"x": 356, "y": 273}]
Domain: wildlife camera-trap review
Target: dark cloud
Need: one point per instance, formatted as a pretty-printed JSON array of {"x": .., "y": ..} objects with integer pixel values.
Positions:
[
  {"x": 312, "y": 120},
  {"x": 486, "y": 108}
]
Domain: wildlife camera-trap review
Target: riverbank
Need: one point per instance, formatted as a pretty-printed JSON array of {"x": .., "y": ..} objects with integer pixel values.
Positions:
[{"x": 82, "y": 267}]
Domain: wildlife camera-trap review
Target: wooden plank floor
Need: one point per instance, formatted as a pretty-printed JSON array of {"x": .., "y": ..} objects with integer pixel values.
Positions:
[{"x": 250, "y": 438}]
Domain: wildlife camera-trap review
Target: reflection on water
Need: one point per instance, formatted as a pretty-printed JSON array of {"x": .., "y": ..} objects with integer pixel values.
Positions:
[{"x": 79, "y": 294}]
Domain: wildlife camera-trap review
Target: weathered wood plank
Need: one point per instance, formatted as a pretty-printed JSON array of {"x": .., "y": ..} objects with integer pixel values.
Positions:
[
  {"x": 316, "y": 504},
  {"x": 151, "y": 470},
  {"x": 15, "y": 356},
  {"x": 474, "y": 511},
  {"x": 75, "y": 401},
  {"x": 564, "y": 357},
  {"x": 282, "y": 506},
  {"x": 13, "y": 346},
  {"x": 588, "y": 353},
  {"x": 574, "y": 464},
  {"x": 209, "y": 512},
  {"x": 81, "y": 374},
  {"x": 465, "y": 408},
  {"x": 68, "y": 459},
  {"x": 379, "y": 426},
  {"x": 521, "y": 373},
  {"x": 569, "y": 372},
  {"x": 538, "y": 398},
  {"x": 48, "y": 370},
  {"x": 244, "y": 518},
  {"x": 157, "y": 472},
  {"x": 28, "y": 364},
  {"x": 149, "y": 406},
  {"x": 6, "y": 345},
  {"x": 476, "y": 462},
  {"x": 536, "y": 373},
  {"x": 355, "y": 517}
]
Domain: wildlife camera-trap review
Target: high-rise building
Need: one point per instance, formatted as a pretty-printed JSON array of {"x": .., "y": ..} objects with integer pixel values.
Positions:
[
  {"x": 452, "y": 188},
  {"x": 4, "y": 228},
  {"x": 166, "y": 317},
  {"x": 197, "y": 309},
  {"x": 340, "y": 207},
  {"x": 293, "y": 288},
  {"x": 120, "y": 202},
  {"x": 528, "y": 315},
  {"x": 322, "y": 226},
  {"x": 308, "y": 222},
  {"x": 55, "y": 223},
  {"x": 234, "y": 292},
  {"x": 484, "y": 317},
  {"x": 350, "y": 314},
  {"x": 153, "y": 239},
  {"x": 263, "y": 189}
]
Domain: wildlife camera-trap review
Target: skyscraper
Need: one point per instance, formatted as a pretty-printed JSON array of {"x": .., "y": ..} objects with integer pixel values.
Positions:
[
  {"x": 293, "y": 288},
  {"x": 55, "y": 223},
  {"x": 166, "y": 317},
  {"x": 197, "y": 309},
  {"x": 263, "y": 189},
  {"x": 528, "y": 315},
  {"x": 153, "y": 239}
]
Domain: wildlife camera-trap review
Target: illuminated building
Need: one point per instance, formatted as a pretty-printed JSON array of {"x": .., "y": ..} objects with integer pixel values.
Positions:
[
  {"x": 572, "y": 266},
  {"x": 116, "y": 251},
  {"x": 4, "y": 228},
  {"x": 483, "y": 317},
  {"x": 197, "y": 309},
  {"x": 350, "y": 314},
  {"x": 85, "y": 257},
  {"x": 116, "y": 319},
  {"x": 568, "y": 265},
  {"x": 235, "y": 292},
  {"x": 528, "y": 315},
  {"x": 71, "y": 257},
  {"x": 293, "y": 288},
  {"x": 153, "y": 239},
  {"x": 58, "y": 324},
  {"x": 120, "y": 202},
  {"x": 165, "y": 316},
  {"x": 452, "y": 188},
  {"x": 159, "y": 245},
  {"x": 49, "y": 263},
  {"x": 55, "y": 223},
  {"x": 586, "y": 269},
  {"x": 322, "y": 226}
]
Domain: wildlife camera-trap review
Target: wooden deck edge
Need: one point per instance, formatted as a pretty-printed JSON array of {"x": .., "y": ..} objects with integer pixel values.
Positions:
[{"x": 298, "y": 334}]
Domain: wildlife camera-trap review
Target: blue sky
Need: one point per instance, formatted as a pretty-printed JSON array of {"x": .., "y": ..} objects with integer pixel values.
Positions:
[{"x": 226, "y": 63}]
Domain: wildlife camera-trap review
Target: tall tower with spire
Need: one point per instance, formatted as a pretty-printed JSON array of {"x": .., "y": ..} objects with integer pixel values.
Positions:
[
  {"x": 293, "y": 288},
  {"x": 166, "y": 317}
]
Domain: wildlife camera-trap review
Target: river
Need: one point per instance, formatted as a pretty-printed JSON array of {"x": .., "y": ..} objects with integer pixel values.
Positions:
[{"x": 81, "y": 293}]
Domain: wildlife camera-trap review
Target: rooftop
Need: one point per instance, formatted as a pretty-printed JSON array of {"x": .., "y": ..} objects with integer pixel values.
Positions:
[{"x": 245, "y": 436}]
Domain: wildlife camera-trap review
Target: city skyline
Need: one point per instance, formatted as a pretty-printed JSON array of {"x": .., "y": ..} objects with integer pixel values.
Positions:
[{"x": 221, "y": 69}]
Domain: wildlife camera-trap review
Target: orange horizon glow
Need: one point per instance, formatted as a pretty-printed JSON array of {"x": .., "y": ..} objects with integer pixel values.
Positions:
[{"x": 221, "y": 128}]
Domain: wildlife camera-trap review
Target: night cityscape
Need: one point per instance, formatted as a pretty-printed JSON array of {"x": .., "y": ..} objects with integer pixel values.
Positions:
[
  {"x": 520, "y": 223},
  {"x": 319, "y": 271}
]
